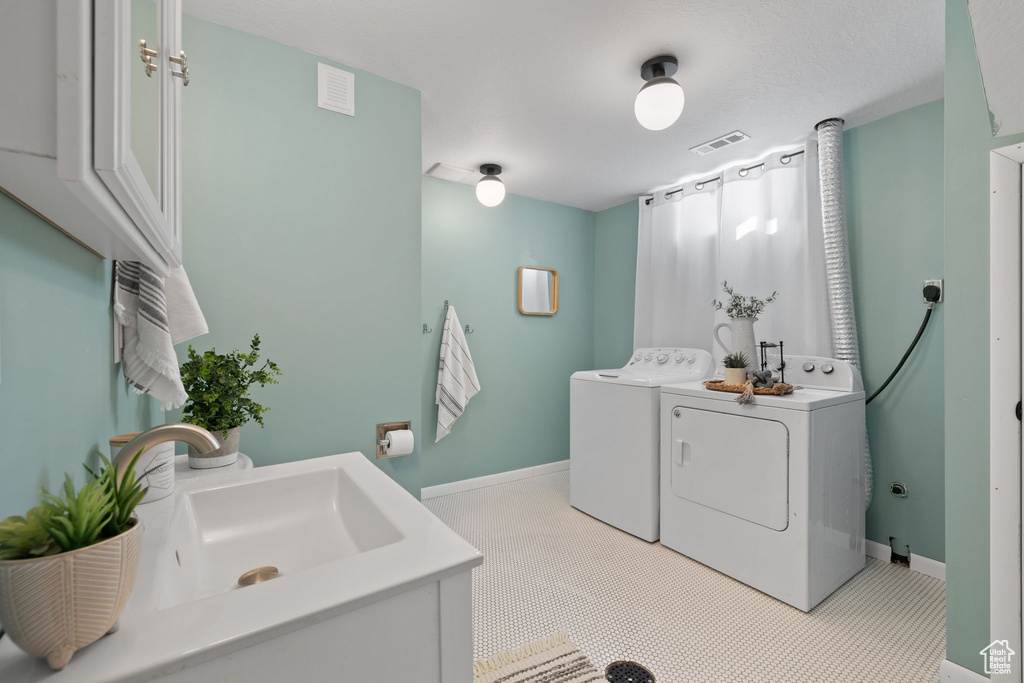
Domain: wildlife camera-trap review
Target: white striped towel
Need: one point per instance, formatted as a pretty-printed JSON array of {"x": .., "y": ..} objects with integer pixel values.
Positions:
[
  {"x": 456, "y": 377},
  {"x": 147, "y": 325}
]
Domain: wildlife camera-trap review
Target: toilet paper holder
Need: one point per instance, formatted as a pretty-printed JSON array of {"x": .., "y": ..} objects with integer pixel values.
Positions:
[{"x": 382, "y": 443}]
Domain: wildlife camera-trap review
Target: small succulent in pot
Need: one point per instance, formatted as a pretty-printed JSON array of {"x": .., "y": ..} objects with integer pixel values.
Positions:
[
  {"x": 736, "y": 360},
  {"x": 68, "y": 566},
  {"x": 71, "y": 520},
  {"x": 740, "y": 306},
  {"x": 736, "y": 367}
]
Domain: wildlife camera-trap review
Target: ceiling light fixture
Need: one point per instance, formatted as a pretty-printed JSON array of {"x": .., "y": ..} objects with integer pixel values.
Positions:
[
  {"x": 660, "y": 102},
  {"x": 490, "y": 190}
]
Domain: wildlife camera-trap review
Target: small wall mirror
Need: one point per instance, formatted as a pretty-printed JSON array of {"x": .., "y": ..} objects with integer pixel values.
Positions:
[{"x": 538, "y": 290}]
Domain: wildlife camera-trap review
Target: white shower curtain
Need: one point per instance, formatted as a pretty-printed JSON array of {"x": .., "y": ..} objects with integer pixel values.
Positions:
[{"x": 761, "y": 232}]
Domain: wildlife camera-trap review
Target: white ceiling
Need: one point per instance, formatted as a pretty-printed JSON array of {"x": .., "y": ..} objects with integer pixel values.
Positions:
[
  {"x": 999, "y": 36},
  {"x": 545, "y": 87}
]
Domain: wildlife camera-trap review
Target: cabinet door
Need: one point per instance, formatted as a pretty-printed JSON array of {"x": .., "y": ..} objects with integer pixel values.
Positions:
[{"x": 135, "y": 114}]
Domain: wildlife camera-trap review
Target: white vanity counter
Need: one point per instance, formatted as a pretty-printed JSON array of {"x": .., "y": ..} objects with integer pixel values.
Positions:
[{"x": 371, "y": 585}]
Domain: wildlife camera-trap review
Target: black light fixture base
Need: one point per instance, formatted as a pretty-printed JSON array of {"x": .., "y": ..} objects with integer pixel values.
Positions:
[
  {"x": 490, "y": 169},
  {"x": 656, "y": 67}
]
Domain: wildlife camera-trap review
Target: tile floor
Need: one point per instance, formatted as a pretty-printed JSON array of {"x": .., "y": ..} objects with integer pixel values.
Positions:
[{"x": 550, "y": 567}]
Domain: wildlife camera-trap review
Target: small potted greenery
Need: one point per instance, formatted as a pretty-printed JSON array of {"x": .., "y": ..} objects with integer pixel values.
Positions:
[
  {"x": 218, "y": 386},
  {"x": 736, "y": 367},
  {"x": 67, "y": 567}
]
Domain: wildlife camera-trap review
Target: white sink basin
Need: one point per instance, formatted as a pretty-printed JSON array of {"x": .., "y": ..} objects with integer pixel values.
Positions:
[
  {"x": 358, "y": 557},
  {"x": 292, "y": 522}
]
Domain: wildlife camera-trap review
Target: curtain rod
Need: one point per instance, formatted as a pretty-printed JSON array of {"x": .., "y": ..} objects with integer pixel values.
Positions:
[{"x": 699, "y": 185}]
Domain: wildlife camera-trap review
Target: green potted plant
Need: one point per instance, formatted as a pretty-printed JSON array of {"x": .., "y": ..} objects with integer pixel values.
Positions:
[
  {"x": 218, "y": 387},
  {"x": 67, "y": 567},
  {"x": 736, "y": 367}
]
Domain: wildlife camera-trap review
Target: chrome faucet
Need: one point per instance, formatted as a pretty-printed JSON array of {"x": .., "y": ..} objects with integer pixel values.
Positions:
[{"x": 196, "y": 437}]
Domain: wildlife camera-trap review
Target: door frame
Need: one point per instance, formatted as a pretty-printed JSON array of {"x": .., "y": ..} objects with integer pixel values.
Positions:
[{"x": 1005, "y": 368}]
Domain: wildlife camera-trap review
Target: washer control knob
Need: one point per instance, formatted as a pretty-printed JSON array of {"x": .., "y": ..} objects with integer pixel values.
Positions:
[
  {"x": 637, "y": 357},
  {"x": 691, "y": 360},
  {"x": 808, "y": 366},
  {"x": 647, "y": 357},
  {"x": 679, "y": 359},
  {"x": 662, "y": 357},
  {"x": 827, "y": 368}
]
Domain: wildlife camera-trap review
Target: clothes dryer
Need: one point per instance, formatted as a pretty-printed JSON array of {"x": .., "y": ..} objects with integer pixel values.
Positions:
[{"x": 770, "y": 493}]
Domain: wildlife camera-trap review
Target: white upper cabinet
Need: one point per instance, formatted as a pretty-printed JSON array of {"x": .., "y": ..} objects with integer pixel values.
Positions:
[{"x": 90, "y": 134}]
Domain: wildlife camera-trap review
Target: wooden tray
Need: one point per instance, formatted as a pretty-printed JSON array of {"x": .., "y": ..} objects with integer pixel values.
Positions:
[{"x": 778, "y": 389}]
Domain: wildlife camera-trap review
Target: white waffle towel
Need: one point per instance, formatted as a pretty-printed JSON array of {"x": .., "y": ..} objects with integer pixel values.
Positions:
[
  {"x": 151, "y": 314},
  {"x": 456, "y": 377}
]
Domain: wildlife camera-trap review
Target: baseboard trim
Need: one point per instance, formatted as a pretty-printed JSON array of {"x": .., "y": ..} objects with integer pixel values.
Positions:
[
  {"x": 492, "y": 479},
  {"x": 918, "y": 563},
  {"x": 954, "y": 673}
]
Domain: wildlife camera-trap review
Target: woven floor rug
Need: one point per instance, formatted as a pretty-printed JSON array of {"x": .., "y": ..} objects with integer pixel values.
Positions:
[{"x": 551, "y": 660}]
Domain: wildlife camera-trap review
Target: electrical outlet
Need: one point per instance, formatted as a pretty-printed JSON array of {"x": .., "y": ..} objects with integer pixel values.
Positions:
[{"x": 936, "y": 283}]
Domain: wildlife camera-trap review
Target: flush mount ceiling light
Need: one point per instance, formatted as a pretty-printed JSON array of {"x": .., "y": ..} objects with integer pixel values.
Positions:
[
  {"x": 660, "y": 102},
  {"x": 490, "y": 190}
]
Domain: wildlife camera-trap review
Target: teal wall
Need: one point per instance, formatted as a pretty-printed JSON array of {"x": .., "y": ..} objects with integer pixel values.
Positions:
[
  {"x": 968, "y": 141},
  {"x": 471, "y": 255},
  {"x": 304, "y": 225},
  {"x": 893, "y": 174},
  {"x": 60, "y": 393},
  {"x": 614, "y": 284}
]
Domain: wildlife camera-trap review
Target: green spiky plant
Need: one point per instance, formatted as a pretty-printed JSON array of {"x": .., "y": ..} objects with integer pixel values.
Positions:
[
  {"x": 77, "y": 518},
  {"x": 736, "y": 360},
  {"x": 25, "y": 537},
  {"x": 70, "y": 519},
  {"x": 125, "y": 495}
]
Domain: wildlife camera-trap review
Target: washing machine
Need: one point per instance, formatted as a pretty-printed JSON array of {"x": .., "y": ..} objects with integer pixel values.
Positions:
[
  {"x": 771, "y": 493},
  {"x": 614, "y": 436}
]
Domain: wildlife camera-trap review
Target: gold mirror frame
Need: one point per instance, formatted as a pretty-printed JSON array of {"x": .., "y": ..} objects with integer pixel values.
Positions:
[{"x": 554, "y": 290}]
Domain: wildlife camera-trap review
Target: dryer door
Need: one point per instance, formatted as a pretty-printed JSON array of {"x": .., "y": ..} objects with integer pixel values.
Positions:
[{"x": 736, "y": 464}]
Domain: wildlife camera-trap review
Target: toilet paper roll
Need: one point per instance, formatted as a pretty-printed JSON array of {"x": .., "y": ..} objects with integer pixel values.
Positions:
[{"x": 399, "y": 442}]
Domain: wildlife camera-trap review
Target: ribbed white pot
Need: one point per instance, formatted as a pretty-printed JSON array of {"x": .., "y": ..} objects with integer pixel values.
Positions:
[
  {"x": 52, "y": 606},
  {"x": 735, "y": 375}
]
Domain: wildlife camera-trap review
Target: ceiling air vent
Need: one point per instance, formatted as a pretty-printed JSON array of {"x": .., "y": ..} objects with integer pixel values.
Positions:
[
  {"x": 718, "y": 143},
  {"x": 335, "y": 89},
  {"x": 453, "y": 173}
]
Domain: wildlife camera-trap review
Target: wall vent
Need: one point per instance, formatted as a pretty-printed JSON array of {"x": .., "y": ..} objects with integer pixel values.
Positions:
[
  {"x": 720, "y": 142},
  {"x": 452, "y": 173},
  {"x": 335, "y": 89}
]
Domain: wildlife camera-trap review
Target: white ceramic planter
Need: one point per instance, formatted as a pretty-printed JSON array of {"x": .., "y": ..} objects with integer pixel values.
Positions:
[
  {"x": 742, "y": 340},
  {"x": 226, "y": 455},
  {"x": 735, "y": 375},
  {"x": 52, "y": 606}
]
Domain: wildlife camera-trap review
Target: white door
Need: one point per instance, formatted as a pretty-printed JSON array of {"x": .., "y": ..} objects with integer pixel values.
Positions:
[
  {"x": 1005, "y": 353},
  {"x": 735, "y": 464}
]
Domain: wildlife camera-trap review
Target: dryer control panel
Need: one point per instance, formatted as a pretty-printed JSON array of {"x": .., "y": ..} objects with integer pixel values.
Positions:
[
  {"x": 671, "y": 361},
  {"x": 814, "y": 372}
]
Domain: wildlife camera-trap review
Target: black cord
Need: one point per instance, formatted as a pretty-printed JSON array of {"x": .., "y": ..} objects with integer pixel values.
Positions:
[{"x": 924, "y": 324}]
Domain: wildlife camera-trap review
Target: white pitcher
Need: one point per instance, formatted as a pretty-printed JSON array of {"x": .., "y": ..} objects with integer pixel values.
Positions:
[{"x": 742, "y": 338}]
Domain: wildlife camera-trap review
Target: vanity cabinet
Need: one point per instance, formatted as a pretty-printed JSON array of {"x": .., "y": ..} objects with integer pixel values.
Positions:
[{"x": 90, "y": 121}]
